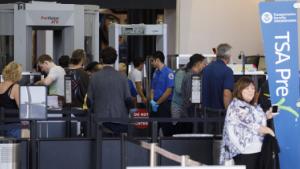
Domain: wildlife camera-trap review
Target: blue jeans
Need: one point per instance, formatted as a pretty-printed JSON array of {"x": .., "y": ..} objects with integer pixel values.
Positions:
[{"x": 12, "y": 130}]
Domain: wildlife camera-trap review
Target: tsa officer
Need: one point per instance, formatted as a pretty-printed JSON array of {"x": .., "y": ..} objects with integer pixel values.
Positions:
[{"x": 161, "y": 91}]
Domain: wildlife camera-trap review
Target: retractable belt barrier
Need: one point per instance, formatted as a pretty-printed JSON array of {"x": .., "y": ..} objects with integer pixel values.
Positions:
[{"x": 90, "y": 118}]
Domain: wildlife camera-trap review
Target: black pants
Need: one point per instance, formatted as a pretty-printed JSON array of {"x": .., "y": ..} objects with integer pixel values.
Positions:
[
  {"x": 164, "y": 110},
  {"x": 183, "y": 128},
  {"x": 214, "y": 127},
  {"x": 250, "y": 160},
  {"x": 116, "y": 128}
]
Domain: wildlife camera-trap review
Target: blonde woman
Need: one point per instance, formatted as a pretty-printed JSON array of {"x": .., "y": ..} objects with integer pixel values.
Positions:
[{"x": 9, "y": 95}]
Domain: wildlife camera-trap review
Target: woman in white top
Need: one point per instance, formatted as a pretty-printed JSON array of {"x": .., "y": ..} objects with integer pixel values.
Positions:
[{"x": 245, "y": 127}]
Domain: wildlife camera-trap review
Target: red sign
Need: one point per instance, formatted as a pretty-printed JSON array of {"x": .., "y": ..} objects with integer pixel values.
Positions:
[
  {"x": 141, "y": 113},
  {"x": 53, "y": 19}
]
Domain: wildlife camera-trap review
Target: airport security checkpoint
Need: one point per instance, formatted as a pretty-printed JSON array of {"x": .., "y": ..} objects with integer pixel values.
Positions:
[{"x": 149, "y": 84}]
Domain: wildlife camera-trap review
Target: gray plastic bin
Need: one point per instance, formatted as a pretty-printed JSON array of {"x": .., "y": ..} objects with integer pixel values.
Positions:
[{"x": 9, "y": 154}]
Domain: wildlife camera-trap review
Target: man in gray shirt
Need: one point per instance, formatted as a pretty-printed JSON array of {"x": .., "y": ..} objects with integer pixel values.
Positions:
[
  {"x": 108, "y": 92},
  {"x": 55, "y": 78}
]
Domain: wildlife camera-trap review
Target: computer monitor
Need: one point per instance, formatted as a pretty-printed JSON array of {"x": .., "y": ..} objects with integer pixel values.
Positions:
[
  {"x": 33, "y": 102},
  {"x": 29, "y": 78},
  {"x": 253, "y": 59}
]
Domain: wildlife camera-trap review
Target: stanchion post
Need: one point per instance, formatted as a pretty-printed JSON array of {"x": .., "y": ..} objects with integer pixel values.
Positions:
[
  {"x": 33, "y": 144},
  {"x": 2, "y": 118},
  {"x": 68, "y": 101},
  {"x": 123, "y": 151},
  {"x": 68, "y": 120},
  {"x": 184, "y": 160},
  {"x": 98, "y": 147},
  {"x": 153, "y": 157},
  {"x": 154, "y": 131},
  {"x": 89, "y": 124},
  {"x": 195, "y": 123},
  {"x": 205, "y": 121}
]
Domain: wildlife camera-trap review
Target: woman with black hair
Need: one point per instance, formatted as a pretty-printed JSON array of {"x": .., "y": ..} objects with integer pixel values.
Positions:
[{"x": 193, "y": 68}]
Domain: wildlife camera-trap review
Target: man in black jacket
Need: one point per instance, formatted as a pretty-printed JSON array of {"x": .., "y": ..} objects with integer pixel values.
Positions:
[
  {"x": 108, "y": 93},
  {"x": 270, "y": 148},
  {"x": 80, "y": 79},
  {"x": 269, "y": 153}
]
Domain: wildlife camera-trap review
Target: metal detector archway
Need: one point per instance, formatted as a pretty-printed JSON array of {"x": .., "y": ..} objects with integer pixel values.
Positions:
[
  {"x": 74, "y": 27},
  {"x": 158, "y": 30}
]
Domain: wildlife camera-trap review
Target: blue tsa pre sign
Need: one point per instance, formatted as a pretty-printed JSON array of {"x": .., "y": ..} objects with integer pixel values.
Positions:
[{"x": 279, "y": 28}]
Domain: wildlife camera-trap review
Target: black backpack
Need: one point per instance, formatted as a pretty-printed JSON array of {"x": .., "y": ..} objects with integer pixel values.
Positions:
[{"x": 79, "y": 83}]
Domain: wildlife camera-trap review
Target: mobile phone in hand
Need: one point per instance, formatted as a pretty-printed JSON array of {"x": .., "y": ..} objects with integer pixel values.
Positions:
[{"x": 274, "y": 108}]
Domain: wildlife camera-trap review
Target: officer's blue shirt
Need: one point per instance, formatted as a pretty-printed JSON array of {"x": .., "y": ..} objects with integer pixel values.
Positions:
[
  {"x": 162, "y": 80},
  {"x": 216, "y": 77}
]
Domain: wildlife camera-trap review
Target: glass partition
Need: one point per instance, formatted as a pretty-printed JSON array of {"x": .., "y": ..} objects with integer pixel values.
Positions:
[{"x": 6, "y": 50}]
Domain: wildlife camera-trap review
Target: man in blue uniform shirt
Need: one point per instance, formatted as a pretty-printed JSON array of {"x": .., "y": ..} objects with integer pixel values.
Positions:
[{"x": 161, "y": 91}]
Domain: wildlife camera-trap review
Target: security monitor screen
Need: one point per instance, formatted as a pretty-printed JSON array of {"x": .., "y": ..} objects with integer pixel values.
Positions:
[
  {"x": 30, "y": 78},
  {"x": 33, "y": 102}
]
